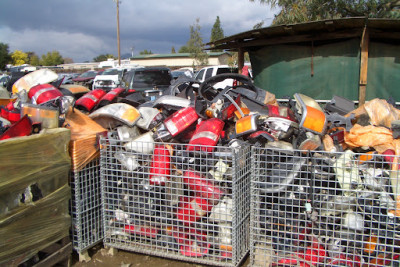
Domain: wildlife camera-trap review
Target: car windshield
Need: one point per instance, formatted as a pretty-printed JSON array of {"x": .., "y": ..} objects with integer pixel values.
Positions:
[
  {"x": 88, "y": 74},
  {"x": 227, "y": 70},
  {"x": 150, "y": 78},
  {"x": 112, "y": 72}
]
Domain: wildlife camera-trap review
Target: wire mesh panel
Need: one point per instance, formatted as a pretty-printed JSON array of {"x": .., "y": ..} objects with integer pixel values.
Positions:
[
  {"x": 324, "y": 209},
  {"x": 86, "y": 211},
  {"x": 178, "y": 201}
]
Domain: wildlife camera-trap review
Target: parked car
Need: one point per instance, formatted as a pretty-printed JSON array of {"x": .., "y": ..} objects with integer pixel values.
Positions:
[
  {"x": 181, "y": 72},
  {"x": 150, "y": 81},
  {"x": 87, "y": 78},
  {"x": 207, "y": 72},
  {"x": 67, "y": 77},
  {"x": 110, "y": 78},
  {"x": 4, "y": 78}
]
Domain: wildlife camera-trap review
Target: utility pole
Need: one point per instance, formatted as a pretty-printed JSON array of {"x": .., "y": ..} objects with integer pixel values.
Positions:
[{"x": 119, "y": 47}]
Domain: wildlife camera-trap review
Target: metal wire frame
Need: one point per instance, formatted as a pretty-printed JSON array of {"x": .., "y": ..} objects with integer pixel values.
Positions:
[
  {"x": 195, "y": 207},
  {"x": 85, "y": 207},
  {"x": 324, "y": 209}
]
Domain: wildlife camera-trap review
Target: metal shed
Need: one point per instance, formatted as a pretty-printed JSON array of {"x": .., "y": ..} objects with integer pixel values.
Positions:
[{"x": 356, "y": 58}]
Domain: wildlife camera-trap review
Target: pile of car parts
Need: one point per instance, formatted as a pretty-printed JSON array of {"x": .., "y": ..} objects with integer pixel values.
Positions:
[{"x": 176, "y": 167}]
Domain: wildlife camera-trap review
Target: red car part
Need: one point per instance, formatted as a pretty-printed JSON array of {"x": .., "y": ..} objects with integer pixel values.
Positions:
[
  {"x": 23, "y": 127},
  {"x": 160, "y": 169},
  {"x": 110, "y": 96},
  {"x": 194, "y": 210},
  {"x": 203, "y": 188},
  {"x": 141, "y": 230},
  {"x": 43, "y": 93},
  {"x": 198, "y": 246},
  {"x": 206, "y": 135},
  {"x": 10, "y": 113},
  {"x": 181, "y": 120},
  {"x": 88, "y": 101}
]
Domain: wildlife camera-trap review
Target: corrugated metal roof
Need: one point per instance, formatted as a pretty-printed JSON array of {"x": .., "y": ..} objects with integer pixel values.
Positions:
[
  {"x": 175, "y": 55},
  {"x": 333, "y": 29}
]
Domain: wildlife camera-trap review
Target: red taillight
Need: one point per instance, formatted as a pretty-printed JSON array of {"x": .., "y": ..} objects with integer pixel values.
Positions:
[
  {"x": 206, "y": 135},
  {"x": 43, "y": 93},
  {"x": 160, "y": 166},
  {"x": 193, "y": 210},
  {"x": 202, "y": 187},
  {"x": 13, "y": 115},
  {"x": 110, "y": 96},
  {"x": 89, "y": 100},
  {"x": 23, "y": 127},
  {"x": 181, "y": 120}
]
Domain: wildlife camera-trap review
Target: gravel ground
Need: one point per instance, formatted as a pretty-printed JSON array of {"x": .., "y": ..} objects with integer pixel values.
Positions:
[{"x": 101, "y": 256}]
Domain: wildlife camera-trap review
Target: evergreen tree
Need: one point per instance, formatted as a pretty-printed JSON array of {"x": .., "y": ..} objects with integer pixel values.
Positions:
[
  {"x": 184, "y": 49},
  {"x": 145, "y": 52},
  {"x": 195, "y": 45},
  {"x": 173, "y": 50},
  {"x": 217, "y": 32}
]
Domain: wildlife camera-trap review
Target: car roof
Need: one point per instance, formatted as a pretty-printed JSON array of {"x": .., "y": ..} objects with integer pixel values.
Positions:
[{"x": 151, "y": 68}]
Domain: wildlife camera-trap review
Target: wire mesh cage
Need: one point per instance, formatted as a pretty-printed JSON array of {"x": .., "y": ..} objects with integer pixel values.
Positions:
[
  {"x": 86, "y": 206},
  {"x": 189, "y": 203},
  {"x": 324, "y": 209}
]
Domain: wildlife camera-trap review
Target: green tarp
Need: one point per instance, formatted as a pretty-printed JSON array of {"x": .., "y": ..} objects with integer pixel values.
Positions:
[
  {"x": 383, "y": 71},
  {"x": 287, "y": 69}
]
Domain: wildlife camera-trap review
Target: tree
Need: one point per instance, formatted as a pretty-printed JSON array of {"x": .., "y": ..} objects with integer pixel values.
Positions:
[
  {"x": 33, "y": 59},
  {"x": 195, "y": 45},
  {"x": 51, "y": 59},
  {"x": 145, "y": 52},
  {"x": 5, "y": 57},
  {"x": 217, "y": 32},
  {"x": 294, "y": 11},
  {"x": 173, "y": 50},
  {"x": 184, "y": 49},
  {"x": 19, "y": 57},
  {"x": 103, "y": 57}
]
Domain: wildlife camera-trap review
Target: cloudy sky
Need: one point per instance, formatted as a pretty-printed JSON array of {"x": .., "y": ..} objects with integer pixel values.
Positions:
[{"x": 84, "y": 29}]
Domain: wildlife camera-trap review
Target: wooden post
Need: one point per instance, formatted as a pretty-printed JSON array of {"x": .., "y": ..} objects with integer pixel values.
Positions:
[
  {"x": 240, "y": 59},
  {"x": 363, "y": 67}
]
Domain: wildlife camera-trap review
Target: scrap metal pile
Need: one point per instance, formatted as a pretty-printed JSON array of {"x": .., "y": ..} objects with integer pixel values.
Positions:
[{"x": 325, "y": 175}]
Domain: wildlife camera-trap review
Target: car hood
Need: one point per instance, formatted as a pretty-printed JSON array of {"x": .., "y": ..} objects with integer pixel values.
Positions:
[
  {"x": 150, "y": 88},
  {"x": 106, "y": 78},
  {"x": 82, "y": 79}
]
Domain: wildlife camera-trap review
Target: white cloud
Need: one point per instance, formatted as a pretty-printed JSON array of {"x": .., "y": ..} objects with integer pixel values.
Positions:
[
  {"x": 154, "y": 25},
  {"x": 80, "y": 46}
]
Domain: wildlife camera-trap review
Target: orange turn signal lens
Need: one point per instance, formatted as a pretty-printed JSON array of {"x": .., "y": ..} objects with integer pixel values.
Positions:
[{"x": 246, "y": 125}]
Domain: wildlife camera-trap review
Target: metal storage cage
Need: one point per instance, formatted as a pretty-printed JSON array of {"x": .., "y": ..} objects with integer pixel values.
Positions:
[
  {"x": 189, "y": 203},
  {"x": 324, "y": 209},
  {"x": 85, "y": 206}
]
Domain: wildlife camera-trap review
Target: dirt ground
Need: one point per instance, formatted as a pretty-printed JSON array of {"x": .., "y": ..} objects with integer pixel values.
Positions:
[{"x": 101, "y": 256}]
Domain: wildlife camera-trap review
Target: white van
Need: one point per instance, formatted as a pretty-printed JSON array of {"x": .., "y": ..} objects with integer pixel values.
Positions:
[{"x": 208, "y": 72}]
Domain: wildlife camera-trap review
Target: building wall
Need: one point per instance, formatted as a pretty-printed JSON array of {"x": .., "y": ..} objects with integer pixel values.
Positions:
[
  {"x": 170, "y": 62},
  {"x": 179, "y": 61}
]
